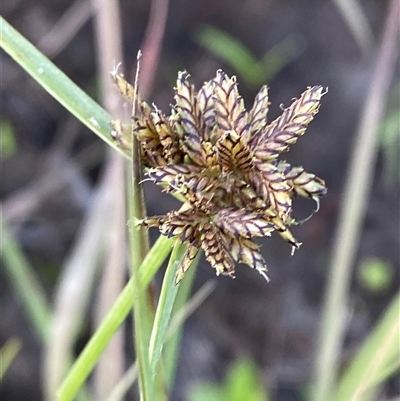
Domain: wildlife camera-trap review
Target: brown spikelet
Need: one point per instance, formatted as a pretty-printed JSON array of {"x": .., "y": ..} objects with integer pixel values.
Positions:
[
  {"x": 169, "y": 140},
  {"x": 258, "y": 113},
  {"x": 246, "y": 251},
  {"x": 149, "y": 140},
  {"x": 125, "y": 88},
  {"x": 205, "y": 110},
  {"x": 187, "y": 124},
  {"x": 233, "y": 153},
  {"x": 186, "y": 105},
  {"x": 216, "y": 250},
  {"x": 243, "y": 223},
  {"x": 272, "y": 186},
  {"x": 167, "y": 174},
  {"x": 181, "y": 224},
  {"x": 188, "y": 258},
  {"x": 284, "y": 131},
  {"x": 304, "y": 184},
  {"x": 230, "y": 113},
  {"x": 177, "y": 175}
]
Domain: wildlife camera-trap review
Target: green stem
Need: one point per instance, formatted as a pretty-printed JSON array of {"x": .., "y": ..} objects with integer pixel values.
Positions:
[
  {"x": 8, "y": 353},
  {"x": 120, "y": 310},
  {"x": 141, "y": 309}
]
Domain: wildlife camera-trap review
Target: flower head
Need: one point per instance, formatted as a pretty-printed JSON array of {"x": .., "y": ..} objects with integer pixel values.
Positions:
[{"x": 222, "y": 161}]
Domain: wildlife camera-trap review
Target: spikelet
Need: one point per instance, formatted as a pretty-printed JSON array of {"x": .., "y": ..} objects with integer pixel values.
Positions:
[
  {"x": 233, "y": 154},
  {"x": 304, "y": 184},
  {"x": 124, "y": 87},
  {"x": 245, "y": 251},
  {"x": 259, "y": 113},
  {"x": 276, "y": 138},
  {"x": 230, "y": 113},
  {"x": 205, "y": 110},
  {"x": 243, "y": 223},
  {"x": 187, "y": 260},
  {"x": 216, "y": 249}
]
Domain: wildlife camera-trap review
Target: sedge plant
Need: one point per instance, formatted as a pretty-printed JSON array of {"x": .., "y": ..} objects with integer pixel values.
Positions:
[{"x": 222, "y": 161}]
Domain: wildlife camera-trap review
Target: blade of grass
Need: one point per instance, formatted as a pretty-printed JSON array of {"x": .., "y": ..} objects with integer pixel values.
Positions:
[
  {"x": 117, "y": 314},
  {"x": 357, "y": 22},
  {"x": 232, "y": 52},
  {"x": 354, "y": 207},
  {"x": 164, "y": 307},
  {"x": 175, "y": 328},
  {"x": 279, "y": 56},
  {"x": 54, "y": 81},
  {"x": 375, "y": 356},
  {"x": 8, "y": 353},
  {"x": 26, "y": 285}
]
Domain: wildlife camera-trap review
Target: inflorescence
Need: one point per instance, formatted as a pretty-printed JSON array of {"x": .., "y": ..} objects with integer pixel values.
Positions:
[{"x": 222, "y": 161}]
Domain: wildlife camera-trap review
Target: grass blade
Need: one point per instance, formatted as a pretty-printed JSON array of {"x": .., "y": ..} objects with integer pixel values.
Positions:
[
  {"x": 374, "y": 359},
  {"x": 8, "y": 353},
  {"x": 357, "y": 22},
  {"x": 165, "y": 304},
  {"x": 54, "y": 81},
  {"x": 174, "y": 332},
  {"x": 233, "y": 53}
]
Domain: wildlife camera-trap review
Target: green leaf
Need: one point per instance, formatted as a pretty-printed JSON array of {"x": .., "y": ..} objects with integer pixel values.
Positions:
[
  {"x": 377, "y": 358},
  {"x": 233, "y": 52},
  {"x": 54, "y": 81},
  {"x": 171, "y": 351},
  {"x": 164, "y": 307}
]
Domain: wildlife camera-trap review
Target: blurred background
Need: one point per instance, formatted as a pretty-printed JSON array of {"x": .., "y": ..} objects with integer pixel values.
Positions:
[{"x": 52, "y": 167}]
